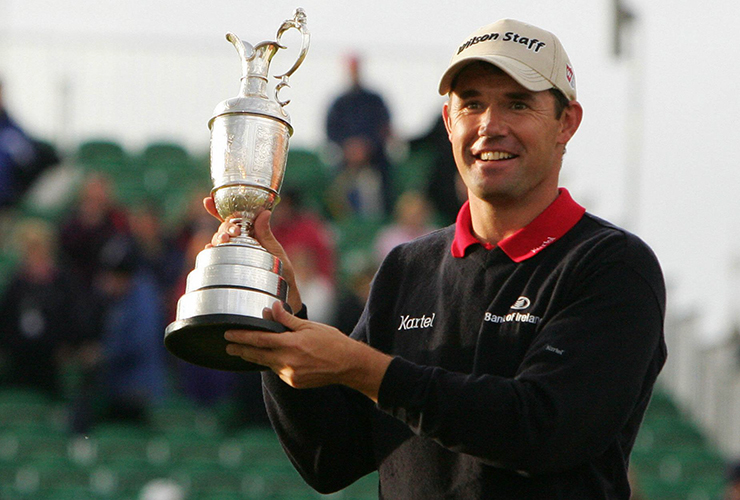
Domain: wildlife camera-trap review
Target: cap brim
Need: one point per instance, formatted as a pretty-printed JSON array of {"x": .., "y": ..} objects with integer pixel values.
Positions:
[{"x": 521, "y": 73}]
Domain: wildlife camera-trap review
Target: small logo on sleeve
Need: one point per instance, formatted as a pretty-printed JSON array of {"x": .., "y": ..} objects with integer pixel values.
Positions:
[{"x": 557, "y": 351}]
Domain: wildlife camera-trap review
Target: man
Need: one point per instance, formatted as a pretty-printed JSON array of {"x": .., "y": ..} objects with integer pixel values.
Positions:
[
  {"x": 509, "y": 356},
  {"x": 22, "y": 158},
  {"x": 359, "y": 123}
]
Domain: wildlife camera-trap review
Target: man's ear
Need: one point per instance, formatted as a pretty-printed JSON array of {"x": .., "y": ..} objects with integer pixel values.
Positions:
[
  {"x": 446, "y": 117},
  {"x": 570, "y": 120}
]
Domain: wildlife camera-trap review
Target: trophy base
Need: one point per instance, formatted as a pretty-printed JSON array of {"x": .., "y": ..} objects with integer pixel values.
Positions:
[{"x": 200, "y": 340}]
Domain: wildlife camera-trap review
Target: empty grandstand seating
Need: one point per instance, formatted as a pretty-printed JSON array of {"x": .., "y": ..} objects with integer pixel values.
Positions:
[
  {"x": 40, "y": 460},
  {"x": 672, "y": 459}
]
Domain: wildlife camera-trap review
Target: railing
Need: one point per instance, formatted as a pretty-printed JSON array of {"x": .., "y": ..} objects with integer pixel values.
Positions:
[{"x": 704, "y": 380}]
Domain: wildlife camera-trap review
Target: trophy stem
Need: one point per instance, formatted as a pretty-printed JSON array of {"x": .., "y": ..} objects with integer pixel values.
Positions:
[{"x": 246, "y": 237}]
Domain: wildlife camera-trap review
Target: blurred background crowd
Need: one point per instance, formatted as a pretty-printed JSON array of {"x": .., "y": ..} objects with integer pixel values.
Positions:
[
  {"x": 89, "y": 285},
  {"x": 89, "y": 282}
]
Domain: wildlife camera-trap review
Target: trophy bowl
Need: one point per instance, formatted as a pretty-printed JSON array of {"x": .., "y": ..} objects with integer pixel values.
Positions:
[{"x": 234, "y": 285}]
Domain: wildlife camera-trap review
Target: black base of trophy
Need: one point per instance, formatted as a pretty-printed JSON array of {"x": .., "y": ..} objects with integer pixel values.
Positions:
[{"x": 200, "y": 340}]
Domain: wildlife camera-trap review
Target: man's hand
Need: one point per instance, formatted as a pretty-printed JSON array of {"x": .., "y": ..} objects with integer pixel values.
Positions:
[
  {"x": 263, "y": 234},
  {"x": 311, "y": 354}
]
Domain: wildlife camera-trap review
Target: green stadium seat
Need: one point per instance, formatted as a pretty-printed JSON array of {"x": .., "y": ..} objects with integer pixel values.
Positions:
[
  {"x": 268, "y": 481},
  {"x": 28, "y": 443},
  {"x": 668, "y": 434},
  {"x": 75, "y": 493},
  {"x": 221, "y": 496},
  {"x": 662, "y": 405},
  {"x": 183, "y": 448},
  {"x": 111, "y": 442},
  {"x": 50, "y": 473},
  {"x": 307, "y": 174},
  {"x": 413, "y": 172},
  {"x": 200, "y": 477},
  {"x": 165, "y": 153},
  {"x": 125, "y": 476},
  {"x": 97, "y": 152},
  {"x": 8, "y": 264},
  {"x": 259, "y": 446},
  {"x": 182, "y": 416},
  {"x": 20, "y": 406}
]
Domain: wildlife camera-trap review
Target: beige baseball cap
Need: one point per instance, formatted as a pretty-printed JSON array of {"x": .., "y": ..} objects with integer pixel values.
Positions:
[{"x": 530, "y": 55}]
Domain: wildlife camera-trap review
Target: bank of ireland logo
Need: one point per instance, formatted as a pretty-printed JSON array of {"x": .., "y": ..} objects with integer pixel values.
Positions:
[
  {"x": 516, "y": 316},
  {"x": 521, "y": 303}
]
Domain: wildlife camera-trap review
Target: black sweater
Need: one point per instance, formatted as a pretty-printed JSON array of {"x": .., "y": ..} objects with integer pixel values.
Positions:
[{"x": 510, "y": 380}]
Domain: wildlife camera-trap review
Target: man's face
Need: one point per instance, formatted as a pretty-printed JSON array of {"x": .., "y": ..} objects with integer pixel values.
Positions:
[{"x": 507, "y": 142}]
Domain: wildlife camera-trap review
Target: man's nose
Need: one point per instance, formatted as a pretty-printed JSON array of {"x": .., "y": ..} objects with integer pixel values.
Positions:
[{"x": 491, "y": 124}]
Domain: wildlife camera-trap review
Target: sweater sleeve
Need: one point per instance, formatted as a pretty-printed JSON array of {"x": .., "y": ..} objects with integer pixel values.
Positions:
[
  {"x": 325, "y": 431},
  {"x": 581, "y": 381}
]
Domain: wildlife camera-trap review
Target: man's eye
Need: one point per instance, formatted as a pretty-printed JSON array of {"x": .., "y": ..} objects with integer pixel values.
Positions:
[{"x": 519, "y": 105}]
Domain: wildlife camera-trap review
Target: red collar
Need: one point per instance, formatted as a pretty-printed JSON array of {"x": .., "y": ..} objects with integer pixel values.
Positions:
[{"x": 544, "y": 230}]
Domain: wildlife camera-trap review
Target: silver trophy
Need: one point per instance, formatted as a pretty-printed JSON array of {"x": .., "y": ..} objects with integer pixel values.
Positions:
[{"x": 233, "y": 284}]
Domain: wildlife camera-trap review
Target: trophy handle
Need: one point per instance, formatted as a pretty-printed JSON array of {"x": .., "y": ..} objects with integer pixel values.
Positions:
[{"x": 298, "y": 22}]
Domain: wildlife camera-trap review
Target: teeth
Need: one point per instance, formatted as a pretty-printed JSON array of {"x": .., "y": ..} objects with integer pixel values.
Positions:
[{"x": 495, "y": 155}]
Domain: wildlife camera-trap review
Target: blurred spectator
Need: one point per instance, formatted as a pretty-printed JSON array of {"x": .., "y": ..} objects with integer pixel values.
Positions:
[
  {"x": 361, "y": 114},
  {"x": 133, "y": 364},
  {"x": 22, "y": 158},
  {"x": 317, "y": 291},
  {"x": 299, "y": 229},
  {"x": 353, "y": 294},
  {"x": 357, "y": 190},
  {"x": 733, "y": 482},
  {"x": 157, "y": 251},
  {"x": 38, "y": 312},
  {"x": 444, "y": 189},
  {"x": 194, "y": 221},
  {"x": 95, "y": 219},
  {"x": 412, "y": 219}
]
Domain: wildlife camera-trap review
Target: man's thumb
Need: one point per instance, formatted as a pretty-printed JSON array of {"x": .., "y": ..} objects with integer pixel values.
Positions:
[
  {"x": 263, "y": 234},
  {"x": 282, "y": 316}
]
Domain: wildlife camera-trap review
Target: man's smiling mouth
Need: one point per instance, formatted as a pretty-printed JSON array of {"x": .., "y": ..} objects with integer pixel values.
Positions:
[{"x": 495, "y": 155}]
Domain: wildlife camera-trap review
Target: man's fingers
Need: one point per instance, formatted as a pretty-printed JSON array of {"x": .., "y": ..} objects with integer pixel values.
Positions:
[
  {"x": 210, "y": 207},
  {"x": 282, "y": 316},
  {"x": 251, "y": 354},
  {"x": 250, "y": 338},
  {"x": 225, "y": 231}
]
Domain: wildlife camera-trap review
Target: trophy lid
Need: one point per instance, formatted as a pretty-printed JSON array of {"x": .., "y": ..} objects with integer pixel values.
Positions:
[{"x": 252, "y": 98}]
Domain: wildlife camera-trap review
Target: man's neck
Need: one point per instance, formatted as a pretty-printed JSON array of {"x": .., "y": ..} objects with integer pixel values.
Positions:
[{"x": 493, "y": 222}]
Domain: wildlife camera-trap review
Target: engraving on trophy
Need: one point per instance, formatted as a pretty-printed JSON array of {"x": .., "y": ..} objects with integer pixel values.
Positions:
[{"x": 232, "y": 284}]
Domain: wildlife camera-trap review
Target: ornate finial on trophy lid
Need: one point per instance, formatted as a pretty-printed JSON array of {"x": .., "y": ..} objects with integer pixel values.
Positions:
[{"x": 255, "y": 61}]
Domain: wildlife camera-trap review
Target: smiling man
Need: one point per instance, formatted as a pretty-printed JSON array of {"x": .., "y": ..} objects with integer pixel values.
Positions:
[{"x": 508, "y": 356}]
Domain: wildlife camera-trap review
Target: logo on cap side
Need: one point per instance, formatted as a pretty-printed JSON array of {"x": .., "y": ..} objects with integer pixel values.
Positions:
[{"x": 570, "y": 76}]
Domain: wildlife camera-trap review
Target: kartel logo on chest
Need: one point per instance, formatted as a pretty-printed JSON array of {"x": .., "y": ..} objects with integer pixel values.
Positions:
[{"x": 412, "y": 323}]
